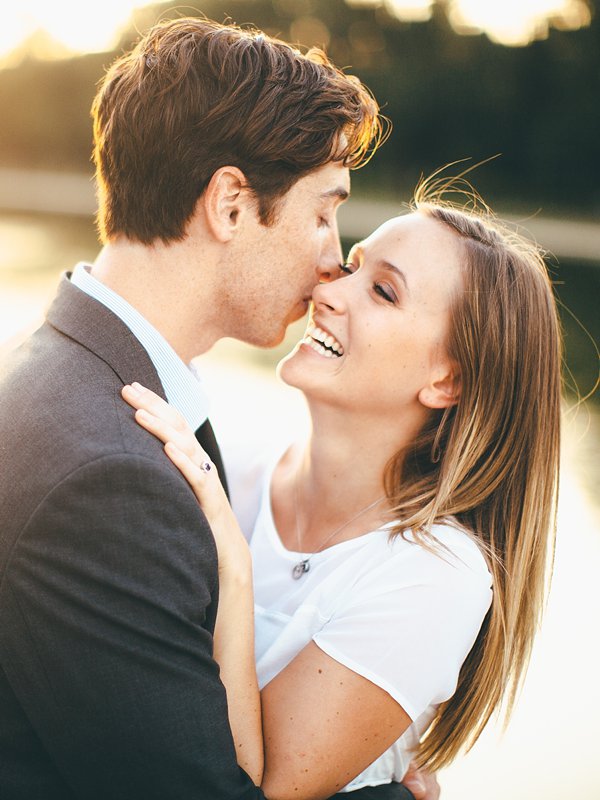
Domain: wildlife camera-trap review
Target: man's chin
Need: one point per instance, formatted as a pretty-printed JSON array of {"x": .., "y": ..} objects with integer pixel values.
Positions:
[
  {"x": 274, "y": 342},
  {"x": 267, "y": 339},
  {"x": 273, "y": 338}
]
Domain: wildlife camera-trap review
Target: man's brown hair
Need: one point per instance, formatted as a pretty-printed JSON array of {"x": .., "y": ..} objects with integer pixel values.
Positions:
[{"x": 195, "y": 95}]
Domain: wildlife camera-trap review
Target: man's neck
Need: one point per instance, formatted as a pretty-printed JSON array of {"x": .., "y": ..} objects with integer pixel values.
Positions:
[{"x": 159, "y": 282}]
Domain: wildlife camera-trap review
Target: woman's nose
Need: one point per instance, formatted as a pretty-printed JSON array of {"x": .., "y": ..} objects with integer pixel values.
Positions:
[{"x": 330, "y": 293}]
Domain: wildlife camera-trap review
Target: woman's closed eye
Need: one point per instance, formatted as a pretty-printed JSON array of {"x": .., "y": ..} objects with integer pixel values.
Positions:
[{"x": 385, "y": 291}]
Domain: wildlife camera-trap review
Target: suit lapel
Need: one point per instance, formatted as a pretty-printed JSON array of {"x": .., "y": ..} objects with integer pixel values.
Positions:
[
  {"x": 95, "y": 327},
  {"x": 206, "y": 437}
]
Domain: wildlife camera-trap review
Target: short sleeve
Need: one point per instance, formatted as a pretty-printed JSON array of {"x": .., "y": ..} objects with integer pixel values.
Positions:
[{"x": 408, "y": 624}]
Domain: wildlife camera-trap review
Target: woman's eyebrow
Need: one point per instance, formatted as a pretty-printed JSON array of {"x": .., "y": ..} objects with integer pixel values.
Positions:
[{"x": 396, "y": 270}]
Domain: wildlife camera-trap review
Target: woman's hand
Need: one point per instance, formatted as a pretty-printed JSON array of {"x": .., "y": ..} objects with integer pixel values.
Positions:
[
  {"x": 233, "y": 640},
  {"x": 181, "y": 445},
  {"x": 422, "y": 784}
]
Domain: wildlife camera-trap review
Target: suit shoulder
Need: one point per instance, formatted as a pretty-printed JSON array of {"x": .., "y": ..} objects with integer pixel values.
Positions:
[{"x": 60, "y": 409}]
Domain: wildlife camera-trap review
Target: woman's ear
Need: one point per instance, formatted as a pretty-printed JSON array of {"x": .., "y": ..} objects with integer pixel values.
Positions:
[
  {"x": 444, "y": 389},
  {"x": 225, "y": 198}
]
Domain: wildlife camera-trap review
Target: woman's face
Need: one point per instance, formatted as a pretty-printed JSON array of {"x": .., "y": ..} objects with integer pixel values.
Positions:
[{"x": 376, "y": 338}]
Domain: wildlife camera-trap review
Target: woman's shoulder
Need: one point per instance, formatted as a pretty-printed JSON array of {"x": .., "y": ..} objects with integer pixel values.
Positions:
[
  {"x": 463, "y": 547},
  {"x": 450, "y": 555}
]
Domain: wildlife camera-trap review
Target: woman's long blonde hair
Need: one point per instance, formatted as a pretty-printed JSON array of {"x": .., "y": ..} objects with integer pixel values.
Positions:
[{"x": 491, "y": 461}]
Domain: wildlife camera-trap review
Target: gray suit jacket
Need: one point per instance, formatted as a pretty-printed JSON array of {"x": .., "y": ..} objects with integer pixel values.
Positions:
[{"x": 108, "y": 583}]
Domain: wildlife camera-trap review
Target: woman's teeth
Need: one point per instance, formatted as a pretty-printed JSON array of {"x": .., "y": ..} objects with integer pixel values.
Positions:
[{"x": 323, "y": 343}]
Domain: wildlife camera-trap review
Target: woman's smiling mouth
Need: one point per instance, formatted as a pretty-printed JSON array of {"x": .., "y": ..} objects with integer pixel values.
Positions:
[{"x": 323, "y": 342}]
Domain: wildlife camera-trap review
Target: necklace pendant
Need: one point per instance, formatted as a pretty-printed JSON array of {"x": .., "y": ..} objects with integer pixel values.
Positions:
[{"x": 300, "y": 568}]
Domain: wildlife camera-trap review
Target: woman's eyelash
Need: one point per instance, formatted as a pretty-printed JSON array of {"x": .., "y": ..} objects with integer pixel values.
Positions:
[
  {"x": 387, "y": 295},
  {"x": 348, "y": 268}
]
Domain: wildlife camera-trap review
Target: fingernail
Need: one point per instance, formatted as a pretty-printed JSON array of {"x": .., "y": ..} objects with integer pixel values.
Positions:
[{"x": 138, "y": 387}]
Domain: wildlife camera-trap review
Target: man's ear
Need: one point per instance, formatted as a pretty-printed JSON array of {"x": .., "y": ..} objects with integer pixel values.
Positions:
[
  {"x": 224, "y": 199},
  {"x": 443, "y": 390}
]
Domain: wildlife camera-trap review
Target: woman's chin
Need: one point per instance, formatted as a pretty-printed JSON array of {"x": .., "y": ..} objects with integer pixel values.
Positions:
[
  {"x": 289, "y": 370},
  {"x": 282, "y": 368}
]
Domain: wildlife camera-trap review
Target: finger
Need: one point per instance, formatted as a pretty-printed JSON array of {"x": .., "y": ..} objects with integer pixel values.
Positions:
[
  {"x": 203, "y": 480},
  {"x": 183, "y": 439},
  {"x": 417, "y": 787},
  {"x": 201, "y": 472},
  {"x": 141, "y": 398},
  {"x": 413, "y": 780}
]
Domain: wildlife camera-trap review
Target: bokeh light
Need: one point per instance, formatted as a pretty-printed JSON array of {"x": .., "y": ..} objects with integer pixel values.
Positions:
[
  {"x": 514, "y": 22},
  {"x": 63, "y": 27},
  {"x": 66, "y": 27},
  {"x": 508, "y": 22}
]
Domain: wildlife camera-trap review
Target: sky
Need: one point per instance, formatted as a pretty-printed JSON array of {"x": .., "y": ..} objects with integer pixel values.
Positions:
[
  {"x": 75, "y": 27},
  {"x": 71, "y": 23}
]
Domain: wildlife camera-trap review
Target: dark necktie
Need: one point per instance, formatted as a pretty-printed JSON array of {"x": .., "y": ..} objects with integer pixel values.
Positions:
[{"x": 206, "y": 438}]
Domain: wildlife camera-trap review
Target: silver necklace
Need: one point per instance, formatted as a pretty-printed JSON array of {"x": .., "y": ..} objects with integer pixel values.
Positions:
[{"x": 303, "y": 566}]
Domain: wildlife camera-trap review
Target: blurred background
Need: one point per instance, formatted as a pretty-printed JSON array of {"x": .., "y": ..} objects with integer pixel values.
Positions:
[{"x": 458, "y": 79}]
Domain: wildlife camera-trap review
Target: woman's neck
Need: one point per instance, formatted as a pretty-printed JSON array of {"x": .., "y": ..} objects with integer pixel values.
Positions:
[
  {"x": 339, "y": 473},
  {"x": 158, "y": 281}
]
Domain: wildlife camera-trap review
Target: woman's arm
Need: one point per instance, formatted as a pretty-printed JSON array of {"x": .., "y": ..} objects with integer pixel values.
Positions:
[
  {"x": 234, "y": 652},
  {"x": 323, "y": 723},
  {"x": 233, "y": 639}
]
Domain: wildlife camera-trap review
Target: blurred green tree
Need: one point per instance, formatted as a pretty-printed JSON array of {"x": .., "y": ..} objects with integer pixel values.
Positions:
[{"x": 448, "y": 96}]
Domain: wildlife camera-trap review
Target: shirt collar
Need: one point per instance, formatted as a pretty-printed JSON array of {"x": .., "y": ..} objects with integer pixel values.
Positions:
[{"x": 182, "y": 384}]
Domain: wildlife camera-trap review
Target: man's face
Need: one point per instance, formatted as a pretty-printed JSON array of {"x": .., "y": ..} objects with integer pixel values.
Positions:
[{"x": 277, "y": 266}]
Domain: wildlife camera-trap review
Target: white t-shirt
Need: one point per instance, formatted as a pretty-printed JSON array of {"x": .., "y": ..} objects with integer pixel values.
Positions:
[{"x": 388, "y": 609}]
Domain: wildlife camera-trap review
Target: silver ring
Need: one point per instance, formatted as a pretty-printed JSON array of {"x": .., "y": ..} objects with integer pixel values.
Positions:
[{"x": 206, "y": 466}]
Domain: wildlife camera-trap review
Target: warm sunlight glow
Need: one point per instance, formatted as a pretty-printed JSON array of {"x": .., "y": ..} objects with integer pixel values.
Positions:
[
  {"x": 63, "y": 27},
  {"x": 509, "y": 22},
  {"x": 517, "y": 22},
  {"x": 58, "y": 28},
  {"x": 411, "y": 10},
  {"x": 406, "y": 10}
]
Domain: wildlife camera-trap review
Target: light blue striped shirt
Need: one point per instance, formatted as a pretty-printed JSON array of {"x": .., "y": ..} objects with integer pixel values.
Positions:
[{"x": 181, "y": 383}]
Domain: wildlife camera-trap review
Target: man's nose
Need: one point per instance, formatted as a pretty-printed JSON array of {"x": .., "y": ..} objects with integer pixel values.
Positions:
[{"x": 331, "y": 256}]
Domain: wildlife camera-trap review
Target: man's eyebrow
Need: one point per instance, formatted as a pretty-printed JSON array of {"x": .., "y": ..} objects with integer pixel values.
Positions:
[
  {"x": 393, "y": 268},
  {"x": 339, "y": 191}
]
